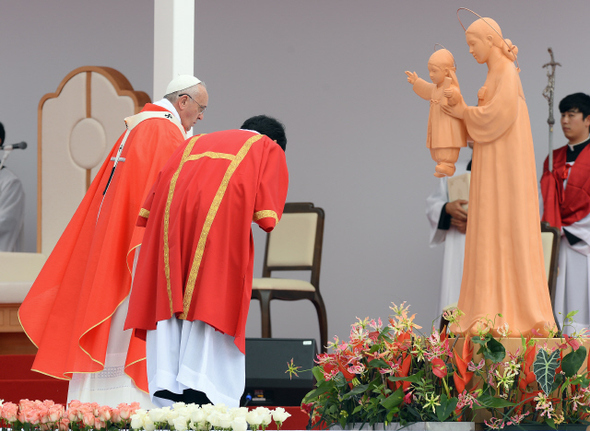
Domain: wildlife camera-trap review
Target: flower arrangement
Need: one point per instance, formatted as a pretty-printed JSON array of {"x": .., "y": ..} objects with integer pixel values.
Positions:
[
  {"x": 541, "y": 381},
  {"x": 389, "y": 373},
  {"x": 184, "y": 417},
  {"x": 47, "y": 415},
  {"x": 393, "y": 373}
]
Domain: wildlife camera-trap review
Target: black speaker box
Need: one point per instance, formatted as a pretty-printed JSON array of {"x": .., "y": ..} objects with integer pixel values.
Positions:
[{"x": 267, "y": 360}]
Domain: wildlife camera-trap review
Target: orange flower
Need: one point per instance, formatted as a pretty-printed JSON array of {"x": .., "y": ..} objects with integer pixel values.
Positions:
[{"x": 462, "y": 376}]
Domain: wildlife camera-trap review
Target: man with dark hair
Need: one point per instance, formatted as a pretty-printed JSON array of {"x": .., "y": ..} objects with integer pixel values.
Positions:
[
  {"x": 267, "y": 126},
  {"x": 193, "y": 280},
  {"x": 12, "y": 207},
  {"x": 566, "y": 205}
]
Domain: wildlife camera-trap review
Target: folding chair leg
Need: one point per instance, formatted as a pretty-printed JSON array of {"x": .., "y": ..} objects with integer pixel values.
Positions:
[{"x": 265, "y": 313}]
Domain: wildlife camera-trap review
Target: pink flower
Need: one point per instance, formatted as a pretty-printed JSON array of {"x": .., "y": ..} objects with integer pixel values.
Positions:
[
  {"x": 104, "y": 413},
  {"x": 127, "y": 410},
  {"x": 64, "y": 424},
  {"x": 9, "y": 412},
  {"x": 98, "y": 424},
  {"x": 88, "y": 418},
  {"x": 116, "y": 415}
]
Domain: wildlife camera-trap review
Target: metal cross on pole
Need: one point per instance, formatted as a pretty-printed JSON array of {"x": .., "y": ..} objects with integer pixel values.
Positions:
[{"x": 548, "y": 94}]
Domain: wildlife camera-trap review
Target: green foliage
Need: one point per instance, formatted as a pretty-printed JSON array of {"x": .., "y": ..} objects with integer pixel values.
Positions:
[
  {"x": 571, "y": 363},
  {"x": 544, "y": 368}
]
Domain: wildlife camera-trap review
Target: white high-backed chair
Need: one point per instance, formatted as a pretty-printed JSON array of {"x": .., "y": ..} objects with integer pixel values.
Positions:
[{"x": 77, "y": 126}]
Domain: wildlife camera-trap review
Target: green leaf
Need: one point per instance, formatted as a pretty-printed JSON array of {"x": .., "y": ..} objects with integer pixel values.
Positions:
[
  {"x": 490, "y": 401},
  {"x": 414, "y": 378},
  {"x": 572, "y": 362},
  {"x": 544, "y": 369},
  {"x": 478, "y": 340},
  {"x": 318, "y": 374},
  {"x": 393, "y": 400},
  {"x": 446, "y": 408},
  {"x": 571, "y": 314},
  {"x": 495, "y": 351},
  {"x": 314, "y": 393},
  {"x": 355, "y": 391},
  {"x": 558, "y": 381},
  {"x": 378, "y": 363}
]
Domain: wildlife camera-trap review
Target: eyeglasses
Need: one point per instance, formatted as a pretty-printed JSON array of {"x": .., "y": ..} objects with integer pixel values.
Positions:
[{"x": 201, "y": 107}]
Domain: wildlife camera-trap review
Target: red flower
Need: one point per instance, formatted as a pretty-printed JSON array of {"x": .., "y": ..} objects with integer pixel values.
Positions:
[
  {"x": 462, "y": 376},
  {"x": 439, "y": 368}
]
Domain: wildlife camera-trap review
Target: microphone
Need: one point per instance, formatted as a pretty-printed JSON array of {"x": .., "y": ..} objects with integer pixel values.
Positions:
[{"x": 17, "y": 146}]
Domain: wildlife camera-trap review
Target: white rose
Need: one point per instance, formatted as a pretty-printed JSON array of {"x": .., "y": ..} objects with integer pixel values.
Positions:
[
  {"x": 137, "y": 421},
  {"x": 157, "y": 415},
  {"x": 214, "y": 419},
  {"x": 171, "y": 416},
  {"x": 239, "y": 412},
  {"x": 225, "y": 420},
  {"x": 197, "y": 415},
  {"x": 254, "y": 419},
  {"x": 280, "y": 414},
  {"x": 180, "y": 423},
  {"x": 148, "y": 424},
  {"x": 239, "y": 424}
]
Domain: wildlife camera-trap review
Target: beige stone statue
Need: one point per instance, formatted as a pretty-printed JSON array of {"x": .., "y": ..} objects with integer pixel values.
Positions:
[
  {"x": 446, "y": 134},
  {"x": 503, "y": 272}
]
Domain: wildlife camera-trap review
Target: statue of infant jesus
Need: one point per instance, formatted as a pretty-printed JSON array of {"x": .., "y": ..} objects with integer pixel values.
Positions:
[{"x": 446, "y": 134}]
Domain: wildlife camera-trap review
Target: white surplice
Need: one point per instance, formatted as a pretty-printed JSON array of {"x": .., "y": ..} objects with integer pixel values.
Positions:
[
  {"x": 453, "y": 240},
  {"x": 12, "y": 211}
]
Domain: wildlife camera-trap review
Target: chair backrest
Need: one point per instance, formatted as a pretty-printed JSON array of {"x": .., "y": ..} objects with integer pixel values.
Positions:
[
  {"x": 77, "y": 126},
  {"x": 296, "y": 242},
  {"x": 550, "y": 238}
]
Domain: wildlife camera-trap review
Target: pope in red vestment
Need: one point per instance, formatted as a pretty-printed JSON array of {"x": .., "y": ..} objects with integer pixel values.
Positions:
[
  {"x": 67, "y": 313},
  {"x": 196, "y": 258}
]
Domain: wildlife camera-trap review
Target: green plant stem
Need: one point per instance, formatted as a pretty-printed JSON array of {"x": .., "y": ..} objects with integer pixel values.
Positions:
[{"x": 447, "y": 390}]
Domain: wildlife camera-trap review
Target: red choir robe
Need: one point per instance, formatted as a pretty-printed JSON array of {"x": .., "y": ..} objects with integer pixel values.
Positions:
[
  {"x": 67, "y": 313},
  {"x": 565, "y": 207},
  {"x": 197, "y": 254}
]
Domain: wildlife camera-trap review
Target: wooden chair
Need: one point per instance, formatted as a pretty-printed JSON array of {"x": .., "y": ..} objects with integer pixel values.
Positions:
[{"x": 294, "y": 245}]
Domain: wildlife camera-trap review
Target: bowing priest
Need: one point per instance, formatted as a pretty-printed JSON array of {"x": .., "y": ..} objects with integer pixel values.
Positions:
[
  {"x": 193, "y": 280},
  {"x": 75, "y": 310}
]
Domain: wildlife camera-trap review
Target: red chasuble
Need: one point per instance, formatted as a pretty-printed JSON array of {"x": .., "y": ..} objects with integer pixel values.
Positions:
[
  {"x": 68, "y": 310},
  {"x": 564, "y": 207},
  {"x": 197, "y": 254}
]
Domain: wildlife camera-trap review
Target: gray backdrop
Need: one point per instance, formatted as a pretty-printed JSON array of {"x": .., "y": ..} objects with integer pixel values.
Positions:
[{"x": 333, "y": 72}]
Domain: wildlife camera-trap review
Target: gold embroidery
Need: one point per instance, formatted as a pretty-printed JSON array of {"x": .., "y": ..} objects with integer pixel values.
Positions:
[
  {"x": 265, "y": 213},
  {"x": 190, "y": 287},
  {"x": 185, "y": 156},
  {"x": 212, "y": 155},
  {"x": 144, "y": 213}
]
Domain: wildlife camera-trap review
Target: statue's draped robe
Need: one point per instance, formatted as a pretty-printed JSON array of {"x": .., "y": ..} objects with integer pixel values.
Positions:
[{"x": 504, "y": 268}]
